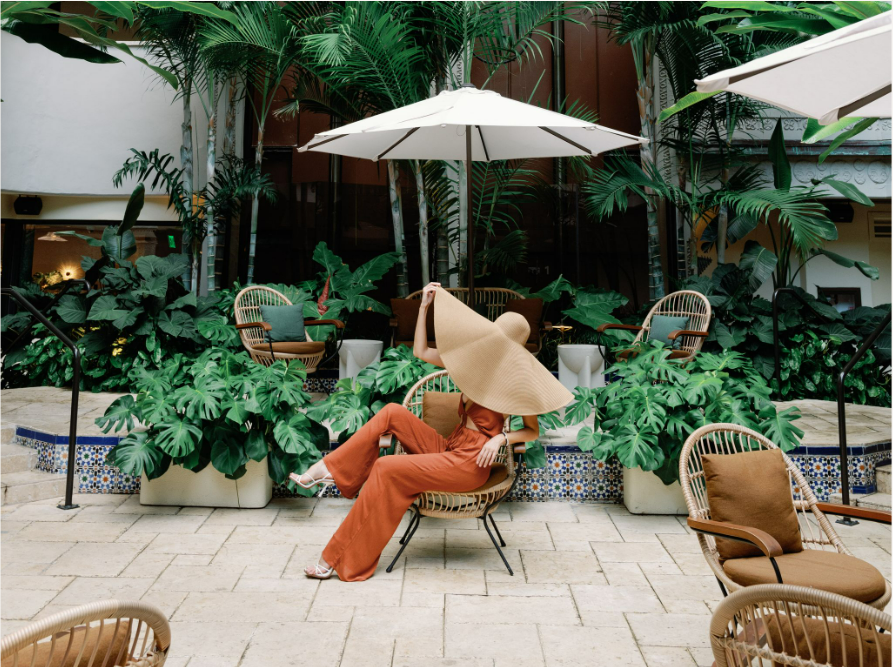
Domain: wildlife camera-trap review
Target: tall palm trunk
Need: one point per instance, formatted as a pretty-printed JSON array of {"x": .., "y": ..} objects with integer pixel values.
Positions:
[
  {"x": 463, "y": 226},
  {"x": 211, "y": 172},
  {"x": 423, "y": 222},
  {"x": 186, "y": 156},
  {"x": 229, "y": 139},
  {"x": 255, "y": 206},
  {"x": 643, "y": 56},
  {"x": 397, "y": 218},
  {"x": 442, "y": 253}
]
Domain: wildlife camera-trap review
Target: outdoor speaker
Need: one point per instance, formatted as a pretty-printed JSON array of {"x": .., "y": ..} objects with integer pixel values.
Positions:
[
  {"x": 27, "y": 205},
  {"x": 840, "y": 211}
]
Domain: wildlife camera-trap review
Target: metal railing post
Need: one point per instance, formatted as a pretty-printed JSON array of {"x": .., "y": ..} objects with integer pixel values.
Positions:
[{"x": 75, "y": 390}]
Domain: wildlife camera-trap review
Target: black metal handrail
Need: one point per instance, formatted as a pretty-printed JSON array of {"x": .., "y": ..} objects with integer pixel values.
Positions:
[
  {"x": 841, "y": 403},
  {"x": 65, "y": 285},
  {"x": 75, "y": 389}
]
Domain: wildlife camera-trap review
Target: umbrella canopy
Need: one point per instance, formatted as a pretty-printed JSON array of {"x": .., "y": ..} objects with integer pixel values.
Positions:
[
  {"x": 843, "y": 73},
  {"x": 471, "y": 125}
]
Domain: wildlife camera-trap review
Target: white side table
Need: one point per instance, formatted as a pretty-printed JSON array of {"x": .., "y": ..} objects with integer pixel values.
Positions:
[
  {"x": 355, "y": 354},
  {"x": 581, "y": 366}
]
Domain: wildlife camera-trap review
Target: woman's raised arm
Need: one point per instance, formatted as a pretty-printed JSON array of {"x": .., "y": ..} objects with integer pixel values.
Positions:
[{"x": 420, "y": 344}]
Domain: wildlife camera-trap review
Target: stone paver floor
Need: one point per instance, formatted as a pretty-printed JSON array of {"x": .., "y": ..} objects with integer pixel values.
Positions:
[{"x": 593, "y": 584}]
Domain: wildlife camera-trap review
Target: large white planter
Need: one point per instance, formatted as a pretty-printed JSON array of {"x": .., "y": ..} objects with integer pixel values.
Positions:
[
  {"x": 644, "y": 493},
  {"x": 209, "y": 488},
  {"x": 581, "y": 366}
]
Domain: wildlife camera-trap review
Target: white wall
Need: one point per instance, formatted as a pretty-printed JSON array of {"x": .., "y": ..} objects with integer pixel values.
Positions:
[{"x": 68, "y": 124}]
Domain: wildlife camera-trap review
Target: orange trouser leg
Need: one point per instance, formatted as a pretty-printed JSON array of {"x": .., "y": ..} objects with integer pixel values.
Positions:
[{"x": 392, "y": 484}]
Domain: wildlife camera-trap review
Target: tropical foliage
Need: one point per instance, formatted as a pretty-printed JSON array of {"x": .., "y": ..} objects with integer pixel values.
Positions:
[{"x": 645, "y": 415}]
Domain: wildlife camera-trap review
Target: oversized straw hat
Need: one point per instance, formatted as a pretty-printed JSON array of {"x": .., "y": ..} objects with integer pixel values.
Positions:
[{"x": 489, "y": 363}]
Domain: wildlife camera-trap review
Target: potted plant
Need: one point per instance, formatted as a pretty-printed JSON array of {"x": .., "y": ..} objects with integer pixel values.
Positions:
[
  {"x": 217, "y": 430},
  {"x": 645, "y": 415}
]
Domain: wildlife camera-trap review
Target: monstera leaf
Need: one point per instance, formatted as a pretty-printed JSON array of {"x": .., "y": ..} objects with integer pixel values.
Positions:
[
  {"x": 135, "y": 455},
  {"x": 178, "y": 437},
  {"x": 120, "y": 414},
  {"x": 779, "y": 428}
]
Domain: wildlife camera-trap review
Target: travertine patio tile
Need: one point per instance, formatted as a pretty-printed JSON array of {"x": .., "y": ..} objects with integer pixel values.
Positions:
[
  {"x": 251, "y": 607},
  {"x": 484, "y": 559},
  {"x": 550, "y": 512},
  {"x": 215, "y": 530},
  {"x": 92, "y": 589},
  {"x": 30, "y": 553},
  {"x": 876, "y": 556},
  {"x": 220, "y": 639},
  {"x": 318, "y": 613},
  {"x": 238, "y": 517},
  {"x": 591, "y": 513},
  {"x": 687, "y": 606},
  {"x": 428, "y": 661},
  {"x": 36, "y": 512},
  {"x": 572, "y": 646},
  {"x": 623, "y": 599},
  {"x": 258, "y": 560},
  {"x": 379, "y": 633},
  {"x": 428, "y": 522},
  {"x": 517, "y": 587},
  {"x": 682, "y": 630},
  {"x": 292, "y": 535},
  {"x": 8, "y": 528},
  {"x": 197, "y": 543},
  {"x": 293, "y": 503},
  {"x": 196, "y": 511},
  {"x": 371, "y": 593},
  {"x": 703, "y": 656},
  {"x": 213, "y": 661},
  {"x": 646, "y": 524},
  {"x": 295, "y": 644},
  {"x": 132, "y": 506},
  {"x": 675, "y": 544},
  {"x": 478, "y": 539},
  {"x": 167, "y": 524},
  {"x": 131, "y": 536},
  {"x": 576, "y": 536},
  {"x": 302, "y": 587},
  {"x": 167, "y": 601},
  {"x": 624, "y": 574},
  {"x": 659, "y": 568},
  {"x": 297, "y": 513},
  {"x": 191, "y": 559},
  {"x": 667, "y": 656},
  {"x": 94, "y": 559},
  {"x": 196, "y": 578},
  {"x": 511, "y": 610},
  {"x": 631, "y": 552},
  {"x": 692, "y": 564},
  {"x": 464, "y": 582},
  {"x": 423, "y": 562},
  {"x": 562, "y": 567},
  {"x": 35, "y": 582},
  {"x": 148, "y": 565},
  {"x": 18, "y": 603},
  {"x": 103, "y": 514},
  {"x": 673, "y": 588},
  {"x": 73, "y": 532},
  {"x": 517, "y": 645},
  {"x": 8, "y": 626}
]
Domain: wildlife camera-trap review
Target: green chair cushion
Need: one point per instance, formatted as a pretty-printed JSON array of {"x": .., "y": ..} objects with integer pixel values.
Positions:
[
  {"x": 663, "y": 325},
  {"x": 287, "y": 323}
]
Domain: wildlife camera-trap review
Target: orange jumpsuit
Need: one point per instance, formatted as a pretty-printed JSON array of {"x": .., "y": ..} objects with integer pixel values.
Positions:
[{"x": 392, "y": 483}]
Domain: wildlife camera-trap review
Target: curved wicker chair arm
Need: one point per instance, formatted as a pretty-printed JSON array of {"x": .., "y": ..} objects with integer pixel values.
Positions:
[
  {"x": 857, "y": 512},
  {"x": 686, "y": 332},
  {"x": 338, "y": 324},
  {"x": 628, "y": 327},
  {"x": 253, "y": 325},
  {"x": 520, "y": 448},
  {"x": 386, "y": 441},
  {"x": 760, "y": 539}
]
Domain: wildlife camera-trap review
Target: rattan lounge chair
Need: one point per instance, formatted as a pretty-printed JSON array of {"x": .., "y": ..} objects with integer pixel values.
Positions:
[
  {"x": 476, "y": 504},
  {"x": 816, "y": 532},
  {"x": 772, "y": 624},
  {"x": 126, "y": 634},
  {"x": 685, "y": 303},
  {"x": 252, "y": 328}
]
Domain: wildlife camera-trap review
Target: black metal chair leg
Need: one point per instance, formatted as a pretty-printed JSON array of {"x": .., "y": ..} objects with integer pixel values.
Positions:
[
  {"x": 496, "y": 544},
  {"x": 496, "y": 528},
  {"x": 412, "y": 521},
  {"x": 407, "y": 538}
]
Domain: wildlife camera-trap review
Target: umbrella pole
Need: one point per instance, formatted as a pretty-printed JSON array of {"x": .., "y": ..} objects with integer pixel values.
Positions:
[{"x": 470, "y": 222}]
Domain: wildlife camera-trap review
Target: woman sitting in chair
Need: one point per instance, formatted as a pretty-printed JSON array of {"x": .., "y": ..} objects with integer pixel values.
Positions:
[{"x": 497, "y": 377}]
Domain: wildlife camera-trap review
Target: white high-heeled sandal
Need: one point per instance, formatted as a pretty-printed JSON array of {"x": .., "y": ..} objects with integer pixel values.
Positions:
[
  {"x": 325, "y": 482},
  {"x": 319, "y": 572}
]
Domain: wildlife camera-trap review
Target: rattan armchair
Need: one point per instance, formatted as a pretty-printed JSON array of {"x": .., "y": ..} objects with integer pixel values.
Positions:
[
  {"x": 816, "y": 532},
  {"x": 685, "y": 303},
  {"x": 252, "y": 330},
  {"x": 476, "y": 504},
  {"x": 769, "y": 625},
  {"x": 111, "y": 633}
]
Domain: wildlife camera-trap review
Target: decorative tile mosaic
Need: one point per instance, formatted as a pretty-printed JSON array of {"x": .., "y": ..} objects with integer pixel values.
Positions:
[{"x": 569, "y": 474}]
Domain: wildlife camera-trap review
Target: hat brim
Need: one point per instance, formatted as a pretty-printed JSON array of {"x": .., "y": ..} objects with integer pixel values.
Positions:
[{"x": 490, "y": 368}]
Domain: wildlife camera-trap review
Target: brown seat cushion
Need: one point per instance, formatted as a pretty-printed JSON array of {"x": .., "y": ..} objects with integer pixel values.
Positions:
[
  {"x": 532, "y": 310},
  {"x": 310, "y": 347},
  {"x": 110, "y": 643},
  {"x": 752, "y": 489},
  {"x": 440, "y": 411},
  {"x": 406, "y": 312},
  {"x": 674, "y": 354},
  {"x": 784, "y": 633},
  {"x": 825, "y": 570}
]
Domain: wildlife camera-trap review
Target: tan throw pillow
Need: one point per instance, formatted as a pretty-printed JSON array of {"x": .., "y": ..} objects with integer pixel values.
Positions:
[
  {"x": 111, "y": 644},
  {"x": 406, "y": 312},
  {"x": 440, "y": 411},
  {"x": 532, "y": 310},
  {"x": 752, "y": 489}
]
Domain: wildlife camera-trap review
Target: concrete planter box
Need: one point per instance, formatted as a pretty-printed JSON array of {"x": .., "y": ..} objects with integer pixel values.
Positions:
[
  {"x": 644, "y": 493},
  {"x": 209, "y": 488}
]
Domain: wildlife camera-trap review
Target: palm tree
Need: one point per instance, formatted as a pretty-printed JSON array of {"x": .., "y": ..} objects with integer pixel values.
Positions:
[{"x": 261, "y": 45}]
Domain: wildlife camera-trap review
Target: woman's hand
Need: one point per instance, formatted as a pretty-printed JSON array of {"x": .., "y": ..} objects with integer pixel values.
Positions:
[
  {"x": 428, "y": 292},
  {"x": 490, "y": 450}
]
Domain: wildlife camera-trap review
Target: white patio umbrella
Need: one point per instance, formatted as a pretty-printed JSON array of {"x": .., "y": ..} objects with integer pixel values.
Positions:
[
  {"x": 471, "y": 125},
  {"x": 843, "y": 73}
]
